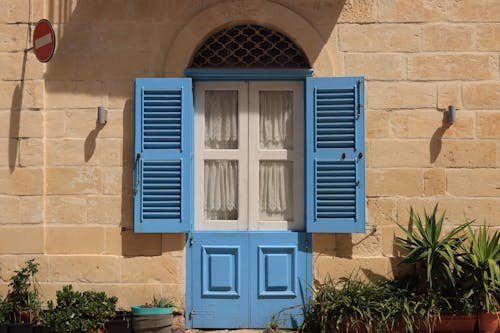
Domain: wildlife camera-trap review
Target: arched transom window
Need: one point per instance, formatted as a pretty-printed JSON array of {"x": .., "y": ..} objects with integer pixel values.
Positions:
[{"x": 249, "y": 46}]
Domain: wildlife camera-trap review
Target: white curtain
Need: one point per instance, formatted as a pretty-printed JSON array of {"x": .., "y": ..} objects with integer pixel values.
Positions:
[
  {"x": 221, "y": 190},
  {"x": 275, "y": 190},
  {"x": 221, "y": 119},
  {"x": 276, "y": 119}
]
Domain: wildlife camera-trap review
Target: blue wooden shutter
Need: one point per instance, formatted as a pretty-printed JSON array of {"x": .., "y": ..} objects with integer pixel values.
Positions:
[
  {"x": 163, "y": 170},
  {"x": 335, "y": 162}
]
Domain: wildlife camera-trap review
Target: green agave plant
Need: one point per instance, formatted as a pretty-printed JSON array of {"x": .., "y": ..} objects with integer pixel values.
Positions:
[
  {"x": 431, "y": 248},
  {"x": 481, "y": 271}
]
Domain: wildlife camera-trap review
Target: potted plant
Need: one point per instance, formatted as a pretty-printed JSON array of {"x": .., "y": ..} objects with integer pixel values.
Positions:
[
  {"x": 23, "y": 302},
  {"x": 121, "y": 323},
  {"x": 154, "y": 317},
  {"x": 351, "y": 305},
  {"x": 434, "y": 256},
  {"x": 76, "y": 311},
  {"x": 481, "y": 275}
]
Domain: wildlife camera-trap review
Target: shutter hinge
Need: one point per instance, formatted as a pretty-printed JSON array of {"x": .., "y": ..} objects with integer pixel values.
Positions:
[
  {"x": 357, "y": 183},
  {"x": 191, "y": 243},
  {"x": 307, "y": 244},
  {"x": 191, "y": 315}
]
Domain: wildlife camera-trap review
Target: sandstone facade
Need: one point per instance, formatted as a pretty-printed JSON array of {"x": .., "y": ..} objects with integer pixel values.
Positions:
[{"x": 66, "y": 183}]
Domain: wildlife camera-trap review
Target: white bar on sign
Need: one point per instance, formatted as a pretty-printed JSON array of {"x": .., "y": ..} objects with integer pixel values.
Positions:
[{"x": 42, "y": 41}]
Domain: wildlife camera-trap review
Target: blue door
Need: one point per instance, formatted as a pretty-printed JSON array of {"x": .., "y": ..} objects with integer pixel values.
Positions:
[
  {"x": 246, "y": 278},
  {"x": 233, "y": 173}
]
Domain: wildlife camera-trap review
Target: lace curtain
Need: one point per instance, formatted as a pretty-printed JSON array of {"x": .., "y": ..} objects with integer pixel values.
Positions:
[
  {"x": 221, "y": 119},
  {"x": 221, "y": 176}
]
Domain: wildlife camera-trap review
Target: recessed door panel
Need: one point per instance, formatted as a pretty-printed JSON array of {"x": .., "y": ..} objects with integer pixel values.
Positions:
[
  {"x": 220, "y": 282},
  {"x": 280, "y": 284}
]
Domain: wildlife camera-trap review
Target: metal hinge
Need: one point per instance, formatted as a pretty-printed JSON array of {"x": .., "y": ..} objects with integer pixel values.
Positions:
[
  {"x": 358, "y": 106},
  {"x": 191, "y": 244}
]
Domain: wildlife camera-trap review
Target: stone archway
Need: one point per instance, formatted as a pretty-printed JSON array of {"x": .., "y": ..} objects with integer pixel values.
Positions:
[{"x": 262, "y": 12}]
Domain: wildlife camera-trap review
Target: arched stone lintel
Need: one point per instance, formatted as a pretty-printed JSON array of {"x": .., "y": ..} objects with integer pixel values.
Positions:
[{"x": 261, "y": 12}]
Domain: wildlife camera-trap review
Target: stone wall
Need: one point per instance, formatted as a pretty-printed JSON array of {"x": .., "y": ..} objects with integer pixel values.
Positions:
[{"x": 65, "y": 183}]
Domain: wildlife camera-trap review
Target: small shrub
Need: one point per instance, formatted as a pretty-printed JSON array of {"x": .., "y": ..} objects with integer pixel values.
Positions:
[
  {"x": 79, "y": 311},
  {"x": 22, "y": 303}
]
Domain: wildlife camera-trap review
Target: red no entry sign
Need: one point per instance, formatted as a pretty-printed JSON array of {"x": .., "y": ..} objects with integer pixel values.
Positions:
[{"x": 44, "y": 40}]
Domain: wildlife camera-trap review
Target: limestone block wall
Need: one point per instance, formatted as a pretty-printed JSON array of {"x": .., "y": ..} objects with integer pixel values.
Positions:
[{"x": 66, "y": 182}]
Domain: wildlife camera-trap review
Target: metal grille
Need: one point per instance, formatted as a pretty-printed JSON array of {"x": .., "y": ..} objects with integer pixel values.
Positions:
[{"x": 249, "y": 46}]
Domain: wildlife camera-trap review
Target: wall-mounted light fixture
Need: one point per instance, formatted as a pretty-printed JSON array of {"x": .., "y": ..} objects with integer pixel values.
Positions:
[
  {"x": 102, "y": 115},
  {"x": 451, "y": 114}
]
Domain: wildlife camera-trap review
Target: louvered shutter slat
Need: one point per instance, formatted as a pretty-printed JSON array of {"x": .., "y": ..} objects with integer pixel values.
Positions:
[
  {"x": 163, "y": 146},
  {"x": 334, "y": 155}
]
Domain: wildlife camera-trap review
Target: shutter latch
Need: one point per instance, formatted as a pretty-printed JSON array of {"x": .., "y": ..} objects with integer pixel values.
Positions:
[{"x": 358, "y": 106}]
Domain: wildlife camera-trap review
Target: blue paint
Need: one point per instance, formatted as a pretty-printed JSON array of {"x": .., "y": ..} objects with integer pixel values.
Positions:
[
  {"x": 140, "y": 310},
  {"x": 334, "y": 151},
  {"x": 203, "y": 74},
  {"x": 163, "y": 186},
  {"x": 246, "y": 277}
]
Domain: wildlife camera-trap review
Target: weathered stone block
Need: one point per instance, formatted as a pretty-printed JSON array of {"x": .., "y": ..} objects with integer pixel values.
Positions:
[
  {"x": 74, "y": 240},
  {"x": 473, "y": 11},
  {"x": 358, "y": 11},
  {"x": 381, "y": 211},
  {"x": 488, "y": 125},
  {"x": 444, "y": 37},
  {"x": 324, "y": 244},
  {"x": 112, "y": 180},
  {"x": 104, "y": 210},
  {"x": 482, "y": 95},
  {"x": 21, "y": 181},
  {"x": 394, "y": 182},
  {"x": 111, "y": 152},
  {"x": 473, "y": 182},
  {"x": 83, "y": 180},
  {"x": 466, "y": 154},
  {"x": 66, "y": 209},
  {"x": 426, "y": 124},
  {"x": 362, "y": 268},
  {"x": 400, "y": 95},
  {"x": 20, "y": 66},
  {"x": 434, "y": 182},
  {"x": 30, "y": 152},
  {"x": 32, "y": 240},
  {"x": 398, "y": 153},
  {"x": 379, "y": 66},
  {"x": 72, "y": 152},
  {"x": 411, "y": 10},
  {"x": 20, "y": 95},
  {"x": 380, "y": 37},
  {"x": 9, "y": 206},
  {"x": 84, "y": 269},
  {"x": 31, "y": 209},
  {"x": 141, "y": 244},
  {"x": 449, "y": 93},
  {"x": 73, "y": 94},
  {"x": 487, "y": 37},
  {"x": 377, "y": 124},
  {"x": 452, "y": 67},
  {"x": 54, "y": 124},
  {"x": 160, "y": 269}
]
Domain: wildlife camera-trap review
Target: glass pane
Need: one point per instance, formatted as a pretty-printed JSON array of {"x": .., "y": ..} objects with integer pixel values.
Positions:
[
  {"x": 221, "y": 119},
  {"x": 276, "y": 190},
  {"x": 276, "y": 119},
  {"x": 221, "y": 190}
]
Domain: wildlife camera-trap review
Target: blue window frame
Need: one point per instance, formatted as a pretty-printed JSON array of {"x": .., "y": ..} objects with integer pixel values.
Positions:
[{"x": 334, "y": 150}]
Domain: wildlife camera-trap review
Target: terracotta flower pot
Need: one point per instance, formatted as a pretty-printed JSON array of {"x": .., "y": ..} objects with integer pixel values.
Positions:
[{"x": 489, "y": 322}]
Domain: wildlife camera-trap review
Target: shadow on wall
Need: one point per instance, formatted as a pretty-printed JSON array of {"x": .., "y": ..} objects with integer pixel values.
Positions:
[
  {"x": 15, "y": 118},
  {"x": 436, "y": 139},
  {"x": 102, "y": 45}
]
